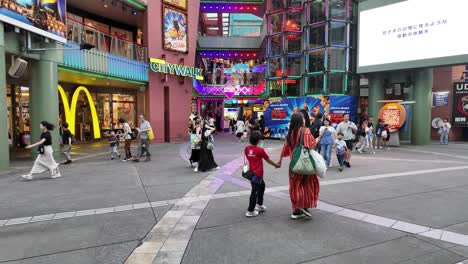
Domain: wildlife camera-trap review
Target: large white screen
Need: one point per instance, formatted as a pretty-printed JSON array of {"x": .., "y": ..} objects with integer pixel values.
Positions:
[{"x": 412, "y": 30}]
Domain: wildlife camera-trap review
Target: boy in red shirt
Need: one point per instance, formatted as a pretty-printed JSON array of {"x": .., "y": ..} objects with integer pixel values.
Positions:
[{"x": 255, "y": 156}]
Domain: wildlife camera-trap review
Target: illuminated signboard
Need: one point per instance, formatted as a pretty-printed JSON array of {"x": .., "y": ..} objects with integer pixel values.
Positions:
[
  {"x": 43, "y": 17},
  {"x": 162, "y": 66}
]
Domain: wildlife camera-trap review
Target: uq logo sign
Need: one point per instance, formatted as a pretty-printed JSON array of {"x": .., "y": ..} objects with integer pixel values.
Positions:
[
  {"x": 70, "y": 109},
  {"x": 461, "y": 86}
]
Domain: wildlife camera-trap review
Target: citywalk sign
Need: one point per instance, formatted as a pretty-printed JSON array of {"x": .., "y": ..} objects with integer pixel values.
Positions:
[{"x": 162, "y": 66}]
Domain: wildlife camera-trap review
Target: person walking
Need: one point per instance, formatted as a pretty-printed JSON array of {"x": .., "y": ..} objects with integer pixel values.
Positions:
[
  {"x": 45, "y": 159},
  {"x": 378, "y": 133},
  {"x": 255, "y": 156},
  {"x": 327, "y": 138},
  {"x": 347, "y": 128},
  {"x": 207, "y": 161},
  {"x": 113, "y": 143},
  {"x": 240, "y": 129},
  {"x": 303, "y": 189},
  {"x": 444, "y": 131},
  {"x": 340, "y": 150},
  {"x": 143, "y": 139},
  {"x": 127, "y": 135},
  {"x": 67, "y": 142},
  {"x": 196, "y": 143},
  {"x": 261, "y": 124}
]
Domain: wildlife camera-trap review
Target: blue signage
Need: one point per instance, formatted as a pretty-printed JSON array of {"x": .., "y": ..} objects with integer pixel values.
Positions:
[{"x": 440, "y": 99}]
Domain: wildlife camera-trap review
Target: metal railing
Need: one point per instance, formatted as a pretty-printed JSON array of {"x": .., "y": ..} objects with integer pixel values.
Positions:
[{"x": 80, "y": 33}]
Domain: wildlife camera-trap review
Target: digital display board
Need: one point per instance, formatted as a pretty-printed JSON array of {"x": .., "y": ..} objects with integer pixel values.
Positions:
[{"x": 411, "y": 34}]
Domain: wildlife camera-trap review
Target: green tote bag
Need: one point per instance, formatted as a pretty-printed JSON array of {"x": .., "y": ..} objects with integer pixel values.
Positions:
[{"x": 301, "y": 160}]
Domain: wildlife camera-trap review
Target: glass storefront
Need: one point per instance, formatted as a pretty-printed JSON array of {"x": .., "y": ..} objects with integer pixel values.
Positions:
[
  {"x": 18, "y": 115},
  {"x": 314, "y": 42}
]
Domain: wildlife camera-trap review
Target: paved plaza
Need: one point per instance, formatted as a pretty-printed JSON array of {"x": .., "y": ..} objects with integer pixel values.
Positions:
[{"x": 403, "y": 205}]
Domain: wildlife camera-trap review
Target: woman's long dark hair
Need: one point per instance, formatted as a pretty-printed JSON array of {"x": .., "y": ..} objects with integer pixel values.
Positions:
[
  {"x": 48, "y": 125},
  {"x": 306, "y": 117},
  {"x": 297, "y": 122}
]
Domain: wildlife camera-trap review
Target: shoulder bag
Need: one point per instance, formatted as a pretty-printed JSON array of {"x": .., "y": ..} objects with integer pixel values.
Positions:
[
  {"x": 246, "y": 173},
  {"x": 301, "y": 160}
]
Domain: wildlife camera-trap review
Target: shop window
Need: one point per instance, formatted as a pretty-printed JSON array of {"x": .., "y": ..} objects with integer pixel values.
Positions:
[
  {"x": 315, "y": 84},
  {"x": 275, "y": 88},
  {"x": 337, "y": 9},
  {"x": 293, "y": 87},
  {"x": 276, "y": 5},
  {"x": 293, "y": 21},
  {"x": 276, "y": 22},
  {"x": 276, "y": 67},
  {"x": 276, "y": 45},
  {"x": 103, "y": 110},
  {"x": 123, "y": 106},
  {"x": 338, "y": 34},
  {"x": 293, "y": 66},
  {"x": 317, "y": 36},
  {"x": 337, "y": 59},
  {"x": 294, "y": 3},
  {"x": 316, "y": 60},
  {"x": 336, "y": 82},
  {"x": 316, "y": 12},
  {"x": 293, "y": 43}
]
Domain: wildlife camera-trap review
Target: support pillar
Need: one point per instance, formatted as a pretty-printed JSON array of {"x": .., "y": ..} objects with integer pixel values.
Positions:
[
  {"x": 376, "y": 93},
  {"x": 421, "y": 120},
  {"x": 44, "y": 103},
  {"x": 4, "y": 148}
]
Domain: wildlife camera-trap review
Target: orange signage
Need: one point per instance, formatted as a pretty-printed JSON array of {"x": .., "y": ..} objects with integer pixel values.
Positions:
[{"x": 394, "y": 115}]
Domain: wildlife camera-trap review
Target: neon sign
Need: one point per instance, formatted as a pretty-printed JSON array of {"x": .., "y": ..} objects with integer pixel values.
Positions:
[
  {"x": 70, "y": 113},
  {"x": 162, "y": 66}
]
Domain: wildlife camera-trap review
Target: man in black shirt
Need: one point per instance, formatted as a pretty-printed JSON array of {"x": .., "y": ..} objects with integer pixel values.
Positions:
[{"x": 67, "y": 142}]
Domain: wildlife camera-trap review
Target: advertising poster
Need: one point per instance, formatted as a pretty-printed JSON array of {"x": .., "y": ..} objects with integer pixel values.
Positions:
[
  {"x": 393, "y": 115},
  {"x": 175, "y": 30},
  {"x": 278, "y": 112},
  {"x": 440, "y": 99},
  {"x": 177, "y": 3},
  {"x": 460, "y": 105},
  {"x": 43, "y": 17}
]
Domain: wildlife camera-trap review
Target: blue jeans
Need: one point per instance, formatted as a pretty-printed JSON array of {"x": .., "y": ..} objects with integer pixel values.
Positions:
[
  {"x": 326, "y": 153},
  {"x": 341, "y": 159},
  {"x": 444, "y": 138}
]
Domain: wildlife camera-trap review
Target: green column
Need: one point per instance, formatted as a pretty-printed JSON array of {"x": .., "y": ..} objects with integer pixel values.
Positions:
[
  {"x": 421, "y": 118},
  {"x": 4, "y": 148},
  {"x": 44, "y": 103},
  {"x": 376, "y": 93}
]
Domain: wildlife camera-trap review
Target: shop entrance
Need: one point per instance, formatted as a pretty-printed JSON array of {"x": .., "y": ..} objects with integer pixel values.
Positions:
[{"x": 18, "y": 115}]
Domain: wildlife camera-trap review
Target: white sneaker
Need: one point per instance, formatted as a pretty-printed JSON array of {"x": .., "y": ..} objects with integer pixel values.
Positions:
[
  {"x": 196, "y": 169},
  {"x": 28, "y": 177},
  {"x": 360, "y": 151},
  {"x": 260, "y": 208},
  {"x": 55, "y": 176},
  {"x": 251, "y": 214},
  {"x": 217, "y": 168}
]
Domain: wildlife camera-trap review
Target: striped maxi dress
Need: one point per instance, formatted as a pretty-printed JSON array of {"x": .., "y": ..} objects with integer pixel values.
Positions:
[{"x": 303, "y": 189}]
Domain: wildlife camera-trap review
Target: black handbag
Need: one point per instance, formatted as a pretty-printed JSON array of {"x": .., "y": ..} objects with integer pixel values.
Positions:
[
  {"x": 40, "y": 149},
  {"x": 246, "y": 173}
]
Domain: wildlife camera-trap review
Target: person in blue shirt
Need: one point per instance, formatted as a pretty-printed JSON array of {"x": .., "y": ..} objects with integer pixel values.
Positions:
[{"x": 327, "y": 139}]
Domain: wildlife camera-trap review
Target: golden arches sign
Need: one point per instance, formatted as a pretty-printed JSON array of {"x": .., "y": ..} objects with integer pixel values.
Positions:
[{"x": 70, "y": 113}]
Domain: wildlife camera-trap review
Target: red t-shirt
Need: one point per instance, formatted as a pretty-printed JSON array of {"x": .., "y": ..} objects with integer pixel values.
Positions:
[{"x": 255, "y": 156}]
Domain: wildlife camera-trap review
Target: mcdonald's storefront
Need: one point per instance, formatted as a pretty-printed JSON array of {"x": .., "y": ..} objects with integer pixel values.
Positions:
[{"x": 90, "y": 104}]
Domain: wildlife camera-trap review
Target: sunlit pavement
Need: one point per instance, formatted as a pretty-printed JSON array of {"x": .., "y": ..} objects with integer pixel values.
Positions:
[{"x": 403, "y": 205}]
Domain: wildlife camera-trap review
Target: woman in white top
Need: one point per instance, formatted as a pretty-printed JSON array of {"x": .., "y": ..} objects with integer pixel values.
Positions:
[
  {"x": 327, "y": 140},
  {"x": 240, "y": 128},
  {"x": 127, "y": 134}
]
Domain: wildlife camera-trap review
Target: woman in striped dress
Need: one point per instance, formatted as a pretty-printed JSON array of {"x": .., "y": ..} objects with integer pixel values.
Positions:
[{"x": 303, "y": 189}]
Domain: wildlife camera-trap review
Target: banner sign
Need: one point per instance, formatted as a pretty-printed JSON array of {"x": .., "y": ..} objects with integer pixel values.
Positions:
[
  {"x": 174, "y": 30},
  {"x": 460, "y": 105},
  {"x": 393, "y": 115},
  {"x": 440, "y": 99},
  {"x": 44, "y": 17},
  {"x": 162, "y": 66},
  {"x": 278, "y": 113}
]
